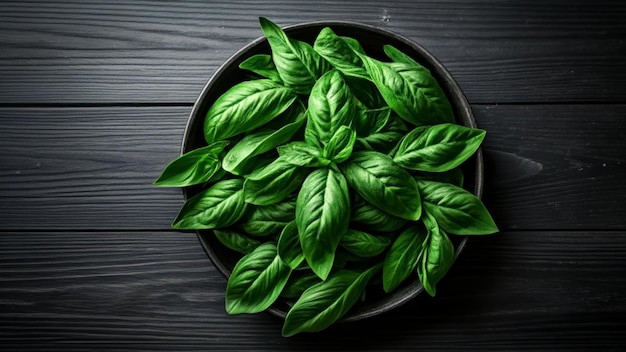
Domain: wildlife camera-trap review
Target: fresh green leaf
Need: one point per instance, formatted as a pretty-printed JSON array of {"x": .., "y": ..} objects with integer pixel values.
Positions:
[
  {"x": 244, "y": 107},
  {"x": 339, "y": 147},
  {"x": 385, "y": 130},
  {"x": 270, "y": 219},
  {"x": 221, "y": 205},
  {"x": 219, "y": 175},
  {"x": 256, "y": 281},
  {"x": 298, "y": 65},
  {"x": 366, "y": 93},
  {"x": 398, "y": 56},
  {"x": 371, "y": 121},
  {"x": 237, "y": 158},
  {"x": 402, "y": 257},
  {"x": 354, "y": 45},
  {"x": 326, "y": 302},
  {"x": 295, "y": 113},
  {"x": 456, "y": 210},
  {"x": 302, "y": 154},
  {"x": 194, "y": 167},
  {"x": 289, "y": 249},
  {"x": 363, "y": 244},
  {"x": 437, "y": 258},
  {"x": 273, "y": 183},
  {"x": 236, "y": 241},
  {"x": 245, "y": 169},
  {"x": 372, "y": 218},
  {"x": 262, "y": 65},
  {"x": 437, "y": 148},
  {"x": 322, "y": 215},
  {"x": 331, "y": 105},
  {"x": 339, "y": 53},
  {"x": 383, "y": 184},
  {"x": 298, "y": 284},
  {"x": 411, "y": 91}
]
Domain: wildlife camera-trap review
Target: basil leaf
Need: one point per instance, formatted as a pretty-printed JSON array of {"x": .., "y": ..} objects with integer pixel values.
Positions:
[
  {"x": 289, "y": 249},
  {"x": 402, "y": 257},
  {"x": 372, "y": 120},
  {"x": 322, "y": 215},
  {"x": 385, "y": 132},
  {"x": 262, "y": 65},
  {"x": 339, "y": 147},
  {"x": 456, "y": 210},
  {"x": 256, "y": 281},
  {"x": 366, "y": 93},
  {"x": 339, "y": 53},
  {"x": 236, "y": 241},
  {"x": 354, "y": 45},
  {"x": 294, "y": 113},
  {"x": 437, "y": 148},
  {"x": 326, "y": 302},
  {"x": 255, "y": 163},
  {"x": 398, "y": 56},
  {"x": 372, "y": 217},
  {"x": 298, "y": 284},
  {"x": 273, "y": 183},
  {"x": 244, "y": 107},
  {"x": 298, "y": 65},
  {"x": 331, "y": 105},
  {"x": 411, "y": 91},
  {"x": 383, "y": 184},
  {"x": 192, "y": 168},
  {"x": 269, "y": 219},
  {"x": 302, "y": 154},
  {"x": 363, "y": 244},
  {"x": 238, "y": 157},
  {"x": 437, "y": 258},
  {"x": 221, "y": 205},
  {"x": 454, "y": 177}
]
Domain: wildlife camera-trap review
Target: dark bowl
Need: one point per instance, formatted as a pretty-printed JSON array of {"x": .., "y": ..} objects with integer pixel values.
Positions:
[{"x": 372, "y": 39}]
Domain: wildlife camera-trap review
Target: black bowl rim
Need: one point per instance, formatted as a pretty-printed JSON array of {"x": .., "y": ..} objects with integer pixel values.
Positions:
[{"x": 450, "y": 87}]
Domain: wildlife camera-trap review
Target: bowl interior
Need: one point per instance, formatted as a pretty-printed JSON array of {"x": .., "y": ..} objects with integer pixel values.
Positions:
[{"x": 372, "y": 39}]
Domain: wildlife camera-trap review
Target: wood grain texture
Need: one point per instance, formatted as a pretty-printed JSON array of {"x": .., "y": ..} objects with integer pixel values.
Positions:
[
  {"x": 548, "y": 167},
  {"x": 153, "y": 51},
  {"x": 146, "y": 291},
  {"x": 94, "y": 98}
]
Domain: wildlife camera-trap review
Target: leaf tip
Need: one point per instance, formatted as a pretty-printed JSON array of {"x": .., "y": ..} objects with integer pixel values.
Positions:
[
  {"x": 321, "y": 271},
  {"x": 176, "y": 224},
  {"x": 267, "y": 26},
  {"x": 287, "y": 331},
  {"x": 232, "y": 307},
  {"x": 431, "y": 290},
  {"x": 387, "y": 287}
]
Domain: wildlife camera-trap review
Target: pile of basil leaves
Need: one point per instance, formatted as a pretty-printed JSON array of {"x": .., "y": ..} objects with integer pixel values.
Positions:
[{"x": 330, "y": 171}]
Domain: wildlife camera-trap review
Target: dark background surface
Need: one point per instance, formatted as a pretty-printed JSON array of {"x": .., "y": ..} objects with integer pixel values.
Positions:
[{"x": 94, "y": 98}]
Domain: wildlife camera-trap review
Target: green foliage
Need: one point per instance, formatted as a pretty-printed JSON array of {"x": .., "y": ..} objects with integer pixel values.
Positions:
[{"x": 332, "y": 173}]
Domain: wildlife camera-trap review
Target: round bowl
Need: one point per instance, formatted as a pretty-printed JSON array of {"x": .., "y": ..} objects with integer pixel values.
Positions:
[{"x": 372, "y": 39}]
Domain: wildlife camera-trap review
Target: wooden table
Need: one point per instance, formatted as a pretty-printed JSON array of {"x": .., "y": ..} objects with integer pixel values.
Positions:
[{"x": 94, "y": 97}]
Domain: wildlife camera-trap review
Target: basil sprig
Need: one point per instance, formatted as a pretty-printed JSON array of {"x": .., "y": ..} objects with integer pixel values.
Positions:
[{"x": 332, "y": 173}]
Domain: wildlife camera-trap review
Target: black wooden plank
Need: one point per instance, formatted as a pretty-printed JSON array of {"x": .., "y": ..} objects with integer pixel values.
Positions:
[
  {"x": 553, "y": 167},
  {"x": 548, "y": 167},
  {"x": 561, "y": 290},
  {"x": 88, "y": 168},
  {"x": 85, "y": 52}
]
